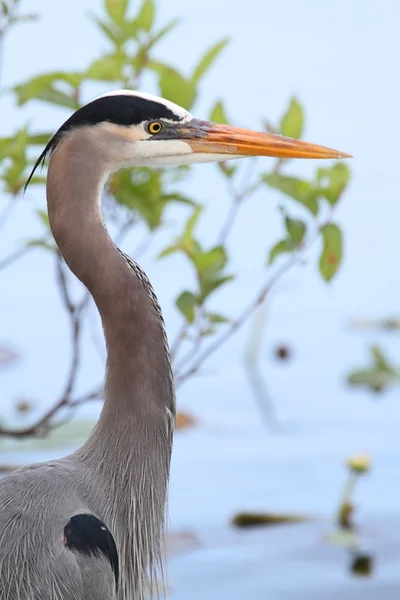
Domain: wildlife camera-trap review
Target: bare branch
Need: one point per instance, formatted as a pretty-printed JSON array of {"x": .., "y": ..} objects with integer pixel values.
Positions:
[
  {"x": 43, "y": 424},
  {"x": 237, "y": 196},
  {"x": 62, "y": 281},
  {"x": 14, "y": 256},
  {"x": 96, "y": 394},
  {"x": 75, "y": 311},
  {"x": 8, "y": 210},
  {"x": 249, "y": 310},
  {"x": 176, "y": 344}
]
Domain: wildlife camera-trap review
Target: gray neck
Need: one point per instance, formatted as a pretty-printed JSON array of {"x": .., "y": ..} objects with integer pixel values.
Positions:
[{"x": 129, "y": 450}]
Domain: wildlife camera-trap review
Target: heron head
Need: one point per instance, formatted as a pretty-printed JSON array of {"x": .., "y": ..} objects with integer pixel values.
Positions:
[{"x": 134, "y": 128}]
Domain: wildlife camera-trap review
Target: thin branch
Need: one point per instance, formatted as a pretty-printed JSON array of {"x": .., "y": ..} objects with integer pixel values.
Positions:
[
  {"x": 9, "y": 20},
  {"x": 8, "y": 209},
  {"x": 196, "y": 341},
  {"x": 96, "y": 394},
  {"x": 176, "y": 344},
  {"x": 248, "y": 311},
  {"x": 238, "y": 196},
  {"x": 14, "y": 256},
  {"x": 62, "y": 282},
  {"x": 43, "y": 424}
]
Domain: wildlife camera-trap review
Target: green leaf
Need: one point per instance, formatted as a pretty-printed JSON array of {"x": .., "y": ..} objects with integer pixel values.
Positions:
[
  {"x": 292, "y": 122},
  {"x": 18, "y": 143},
  {"x": 43, "y": 216},
  {"x": 143, "y": 52},
  {"x": 187, "y": 237},
  {"x": 296, "y": 230},
  {"x": 145, "y": 18},
  {"x": 13, "y": 175},
  {"x": 109, "y": 31},
  {"x": 380, "y": 361},
  {"x": 144, "y": 190},
  {"x": 376, "y": 380},
  {"x": 170, "y": 250},
  {"x": 176, "y": 197},
  {"x": 227, "y": 169},
  {"x": 281, "y": 247},
  {"x": 300, "y": 190},
  {"x": 217, "y": 318},
  {"x": 54, "y": 96},
  {"x": 207, "y": 60},
  {"x": 4, "y": 8},
  {"x": 41, "y": 243},
  {"x": 186, "y": 302},
  {"x": 333, "y": 181},
  {"x": 174, "y": 86},
  {"x": 116, "y": 9},
  {"x": 218, "y": 114},
  {"x": 155, "y": 38},
  {"x": 210, "y": 285},
  {"x": 211, "y": 262},
  {"x": 331, "y": 255},
  {"x": 39, "y": 139},
  {"x": 27, "y": 18},
  {"x": 206, "y": 331},
  {"x": 37, "y": 87},
  {"x": 108, "y": 68}
]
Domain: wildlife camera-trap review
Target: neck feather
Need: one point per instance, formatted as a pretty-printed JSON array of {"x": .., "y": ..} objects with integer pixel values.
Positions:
[{"x": 130, "y": 447}]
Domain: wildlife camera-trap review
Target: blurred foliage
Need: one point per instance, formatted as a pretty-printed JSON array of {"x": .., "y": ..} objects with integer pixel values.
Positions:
[
  {"x": 382, "y": 373},
  {"x": 379, "y": 375},
  {"x": 268, "y": 519},
  {"x": 132, "y": 36},
  {"x": 347, "y": 534},
  {"x": 10, "y": 15}
]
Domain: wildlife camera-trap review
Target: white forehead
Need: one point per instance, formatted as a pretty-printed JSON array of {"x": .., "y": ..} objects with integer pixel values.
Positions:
[{"x": 180, "y": 112}]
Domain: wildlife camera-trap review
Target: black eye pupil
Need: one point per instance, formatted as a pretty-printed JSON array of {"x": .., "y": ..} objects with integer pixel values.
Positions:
[{"x": 155, "y": 127}]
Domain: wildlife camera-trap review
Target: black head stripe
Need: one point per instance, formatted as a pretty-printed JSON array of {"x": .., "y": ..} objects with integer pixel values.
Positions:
[
  {"x": 123, "y": 109},
  {"x": 87, "y": 535}
]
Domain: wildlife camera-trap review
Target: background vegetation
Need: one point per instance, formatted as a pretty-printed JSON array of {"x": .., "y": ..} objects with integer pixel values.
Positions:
[{"x": 307, "y": 206}]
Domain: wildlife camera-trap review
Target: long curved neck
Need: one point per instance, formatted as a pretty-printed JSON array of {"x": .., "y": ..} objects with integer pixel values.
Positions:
[
  {"x": 131, "y": 444},
  {"x": 138, "y": 365}
]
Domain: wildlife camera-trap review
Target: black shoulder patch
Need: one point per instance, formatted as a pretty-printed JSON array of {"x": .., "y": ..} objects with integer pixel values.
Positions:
[
  {"x": 88, "y": 535},
  {"x": 123, "y": 109}
]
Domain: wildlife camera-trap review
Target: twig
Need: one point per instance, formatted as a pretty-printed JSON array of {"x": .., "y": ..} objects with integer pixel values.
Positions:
[
  {"x": 9, "y": 20},
  {"x": 265, "y": 289},
  {"x": 43, "y": 424},
  {"x": 90, "y": 396},
  {"x": 238, "y": 196},
  {"x": 8, "y": 209},
  {"x": 14, "y": 256},
  {"x": 62, "y": 281}
]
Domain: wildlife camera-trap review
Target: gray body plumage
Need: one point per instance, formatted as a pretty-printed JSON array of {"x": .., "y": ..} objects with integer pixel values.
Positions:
[{"x": 33, "y": 527}]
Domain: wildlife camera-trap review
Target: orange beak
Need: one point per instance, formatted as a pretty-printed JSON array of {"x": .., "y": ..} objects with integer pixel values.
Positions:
[{"x": 214, "y": 138}]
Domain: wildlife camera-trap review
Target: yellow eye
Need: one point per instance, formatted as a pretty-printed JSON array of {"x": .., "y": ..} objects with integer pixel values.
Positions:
[{"x": 154, "y": 127}]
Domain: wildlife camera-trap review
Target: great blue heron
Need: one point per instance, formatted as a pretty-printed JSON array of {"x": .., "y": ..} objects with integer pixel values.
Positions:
[{"x": 91, "y": 525}]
